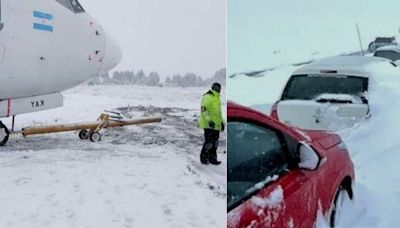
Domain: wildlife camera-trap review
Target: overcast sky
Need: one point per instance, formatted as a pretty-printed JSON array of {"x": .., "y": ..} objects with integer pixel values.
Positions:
[
  {"x": 174, "y": 36},
  {"x": 257, "y": 28}
]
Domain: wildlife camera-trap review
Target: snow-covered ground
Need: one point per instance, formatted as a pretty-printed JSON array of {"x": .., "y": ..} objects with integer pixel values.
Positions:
[
  {"x": 265, "y": 89},
  {"x": 139, "y": 176},
  {"x": 373, "y": 144}
]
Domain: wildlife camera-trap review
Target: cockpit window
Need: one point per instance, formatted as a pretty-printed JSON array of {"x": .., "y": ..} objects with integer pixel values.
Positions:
[{"x": 72, "y": 5}]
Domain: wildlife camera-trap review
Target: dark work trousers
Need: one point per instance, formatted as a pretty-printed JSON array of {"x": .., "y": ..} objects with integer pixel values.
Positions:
[{"x": 209, "y": 151}]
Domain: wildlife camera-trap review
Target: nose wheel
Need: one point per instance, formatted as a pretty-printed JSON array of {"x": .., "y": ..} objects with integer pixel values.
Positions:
[
  {"x": 91, "y": 135},
  {"x": 95, "y": 137},
  {"x": 4, "y": 134},
  {"x": 84, "y": 134}
]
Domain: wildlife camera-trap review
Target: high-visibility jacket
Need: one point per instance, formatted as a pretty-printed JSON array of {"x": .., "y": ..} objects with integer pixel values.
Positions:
[{"x": 211, "y": 111}]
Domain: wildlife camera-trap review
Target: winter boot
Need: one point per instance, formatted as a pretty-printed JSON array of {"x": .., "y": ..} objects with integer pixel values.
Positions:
[
  {"x": 215, "y": 162},
  {"x": 204, "y": 159}
]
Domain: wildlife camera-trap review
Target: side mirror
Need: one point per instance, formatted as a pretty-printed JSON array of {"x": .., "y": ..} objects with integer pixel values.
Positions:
[
  {"x": 1, "y": 26},
  {"x": 309, "y": 158}
]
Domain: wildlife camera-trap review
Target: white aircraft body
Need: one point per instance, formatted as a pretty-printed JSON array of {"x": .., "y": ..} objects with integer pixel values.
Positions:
[{"x": 48, "y": 46}]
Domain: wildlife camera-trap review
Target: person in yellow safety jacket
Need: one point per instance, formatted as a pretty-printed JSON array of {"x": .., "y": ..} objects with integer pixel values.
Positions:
[{"x": 212, "y": 122}]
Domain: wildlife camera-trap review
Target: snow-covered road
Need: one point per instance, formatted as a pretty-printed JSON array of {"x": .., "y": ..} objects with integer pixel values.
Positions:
[{"x": 141, "y": 176}]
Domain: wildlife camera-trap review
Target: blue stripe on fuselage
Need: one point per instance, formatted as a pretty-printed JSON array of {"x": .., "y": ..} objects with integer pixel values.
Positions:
[
  {"x": 47, "y": 28},
  {"x": 43, "y": 15}
]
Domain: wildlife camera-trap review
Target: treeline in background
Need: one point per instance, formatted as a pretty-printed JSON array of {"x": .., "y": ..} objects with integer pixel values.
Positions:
[{"x": 154, "y": 79}]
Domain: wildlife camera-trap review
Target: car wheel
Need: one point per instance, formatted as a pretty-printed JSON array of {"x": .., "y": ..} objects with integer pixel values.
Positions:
[{"x": 341, "y": 194}]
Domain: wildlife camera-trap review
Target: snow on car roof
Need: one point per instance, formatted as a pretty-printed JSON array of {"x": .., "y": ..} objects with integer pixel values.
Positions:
[
  {"x": 389, "y": 48},
  {"x": 341, "y": 65}
]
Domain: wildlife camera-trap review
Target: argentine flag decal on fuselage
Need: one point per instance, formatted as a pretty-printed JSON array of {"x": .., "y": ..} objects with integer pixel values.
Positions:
[{"x": 43, "y": 21}]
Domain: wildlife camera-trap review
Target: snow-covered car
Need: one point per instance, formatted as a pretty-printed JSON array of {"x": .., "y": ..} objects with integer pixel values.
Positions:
[
  {"x": 389, "y": 52},
  {"x": 380, "y": 42},
  {"x": 330, "y": 94},
  {"x": 280, "y": 176}
]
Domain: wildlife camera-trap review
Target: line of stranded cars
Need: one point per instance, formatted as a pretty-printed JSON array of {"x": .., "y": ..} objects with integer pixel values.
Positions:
[{"x": 286, "y": 168}]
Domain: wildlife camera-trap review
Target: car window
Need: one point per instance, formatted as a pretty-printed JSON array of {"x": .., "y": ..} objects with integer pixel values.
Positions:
[
  {"x": 392, "y": 55},
  {"x": 384, "y": 40},
  {"x": 72, "y": 5},
  {"x": 256, "y": 155},
  {"x": 309, "y": 87}
]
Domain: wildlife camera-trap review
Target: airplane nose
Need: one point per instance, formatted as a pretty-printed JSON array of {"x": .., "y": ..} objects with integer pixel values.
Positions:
[{"x": 113, "y": 54}]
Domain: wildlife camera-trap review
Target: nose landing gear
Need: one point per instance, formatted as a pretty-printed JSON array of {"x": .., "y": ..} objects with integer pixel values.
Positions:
[
  {"x": 94, "y": 134},
  {"x": 4, "y": 134}
]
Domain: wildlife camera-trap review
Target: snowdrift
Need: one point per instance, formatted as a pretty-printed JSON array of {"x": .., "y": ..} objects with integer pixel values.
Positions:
[{"x": 374, "y": 146}]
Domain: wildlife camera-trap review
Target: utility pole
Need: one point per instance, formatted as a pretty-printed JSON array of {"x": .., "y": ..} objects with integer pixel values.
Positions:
[{"x": 359, "y": 39}]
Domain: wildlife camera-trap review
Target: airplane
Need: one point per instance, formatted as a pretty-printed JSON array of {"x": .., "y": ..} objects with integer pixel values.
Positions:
[{"x": 46, "y": 47}]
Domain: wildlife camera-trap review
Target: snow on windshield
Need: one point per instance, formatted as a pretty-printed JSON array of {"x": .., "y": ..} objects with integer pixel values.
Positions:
[
  {"x": 262, "y": 184},
  {"x": 340, "y": 98}
]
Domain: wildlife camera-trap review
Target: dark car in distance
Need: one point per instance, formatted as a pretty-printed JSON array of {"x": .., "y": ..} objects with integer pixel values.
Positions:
[{"x": 380, "y": 42}]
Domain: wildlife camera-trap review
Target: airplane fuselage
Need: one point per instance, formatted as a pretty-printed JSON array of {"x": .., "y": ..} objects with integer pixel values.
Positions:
[{"x": 47, "y": 46}]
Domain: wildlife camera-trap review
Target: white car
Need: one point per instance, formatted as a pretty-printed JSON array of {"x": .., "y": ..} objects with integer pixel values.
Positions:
[
  {"x": 389, "y": 52},
  {"x": 327, "y": 95}
]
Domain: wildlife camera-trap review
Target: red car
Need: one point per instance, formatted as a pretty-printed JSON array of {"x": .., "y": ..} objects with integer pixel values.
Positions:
[{"x": 279, "y": 176}]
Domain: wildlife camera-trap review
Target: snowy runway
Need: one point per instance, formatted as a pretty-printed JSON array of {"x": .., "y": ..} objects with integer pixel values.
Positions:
[{"x": 141, "y": 176}]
